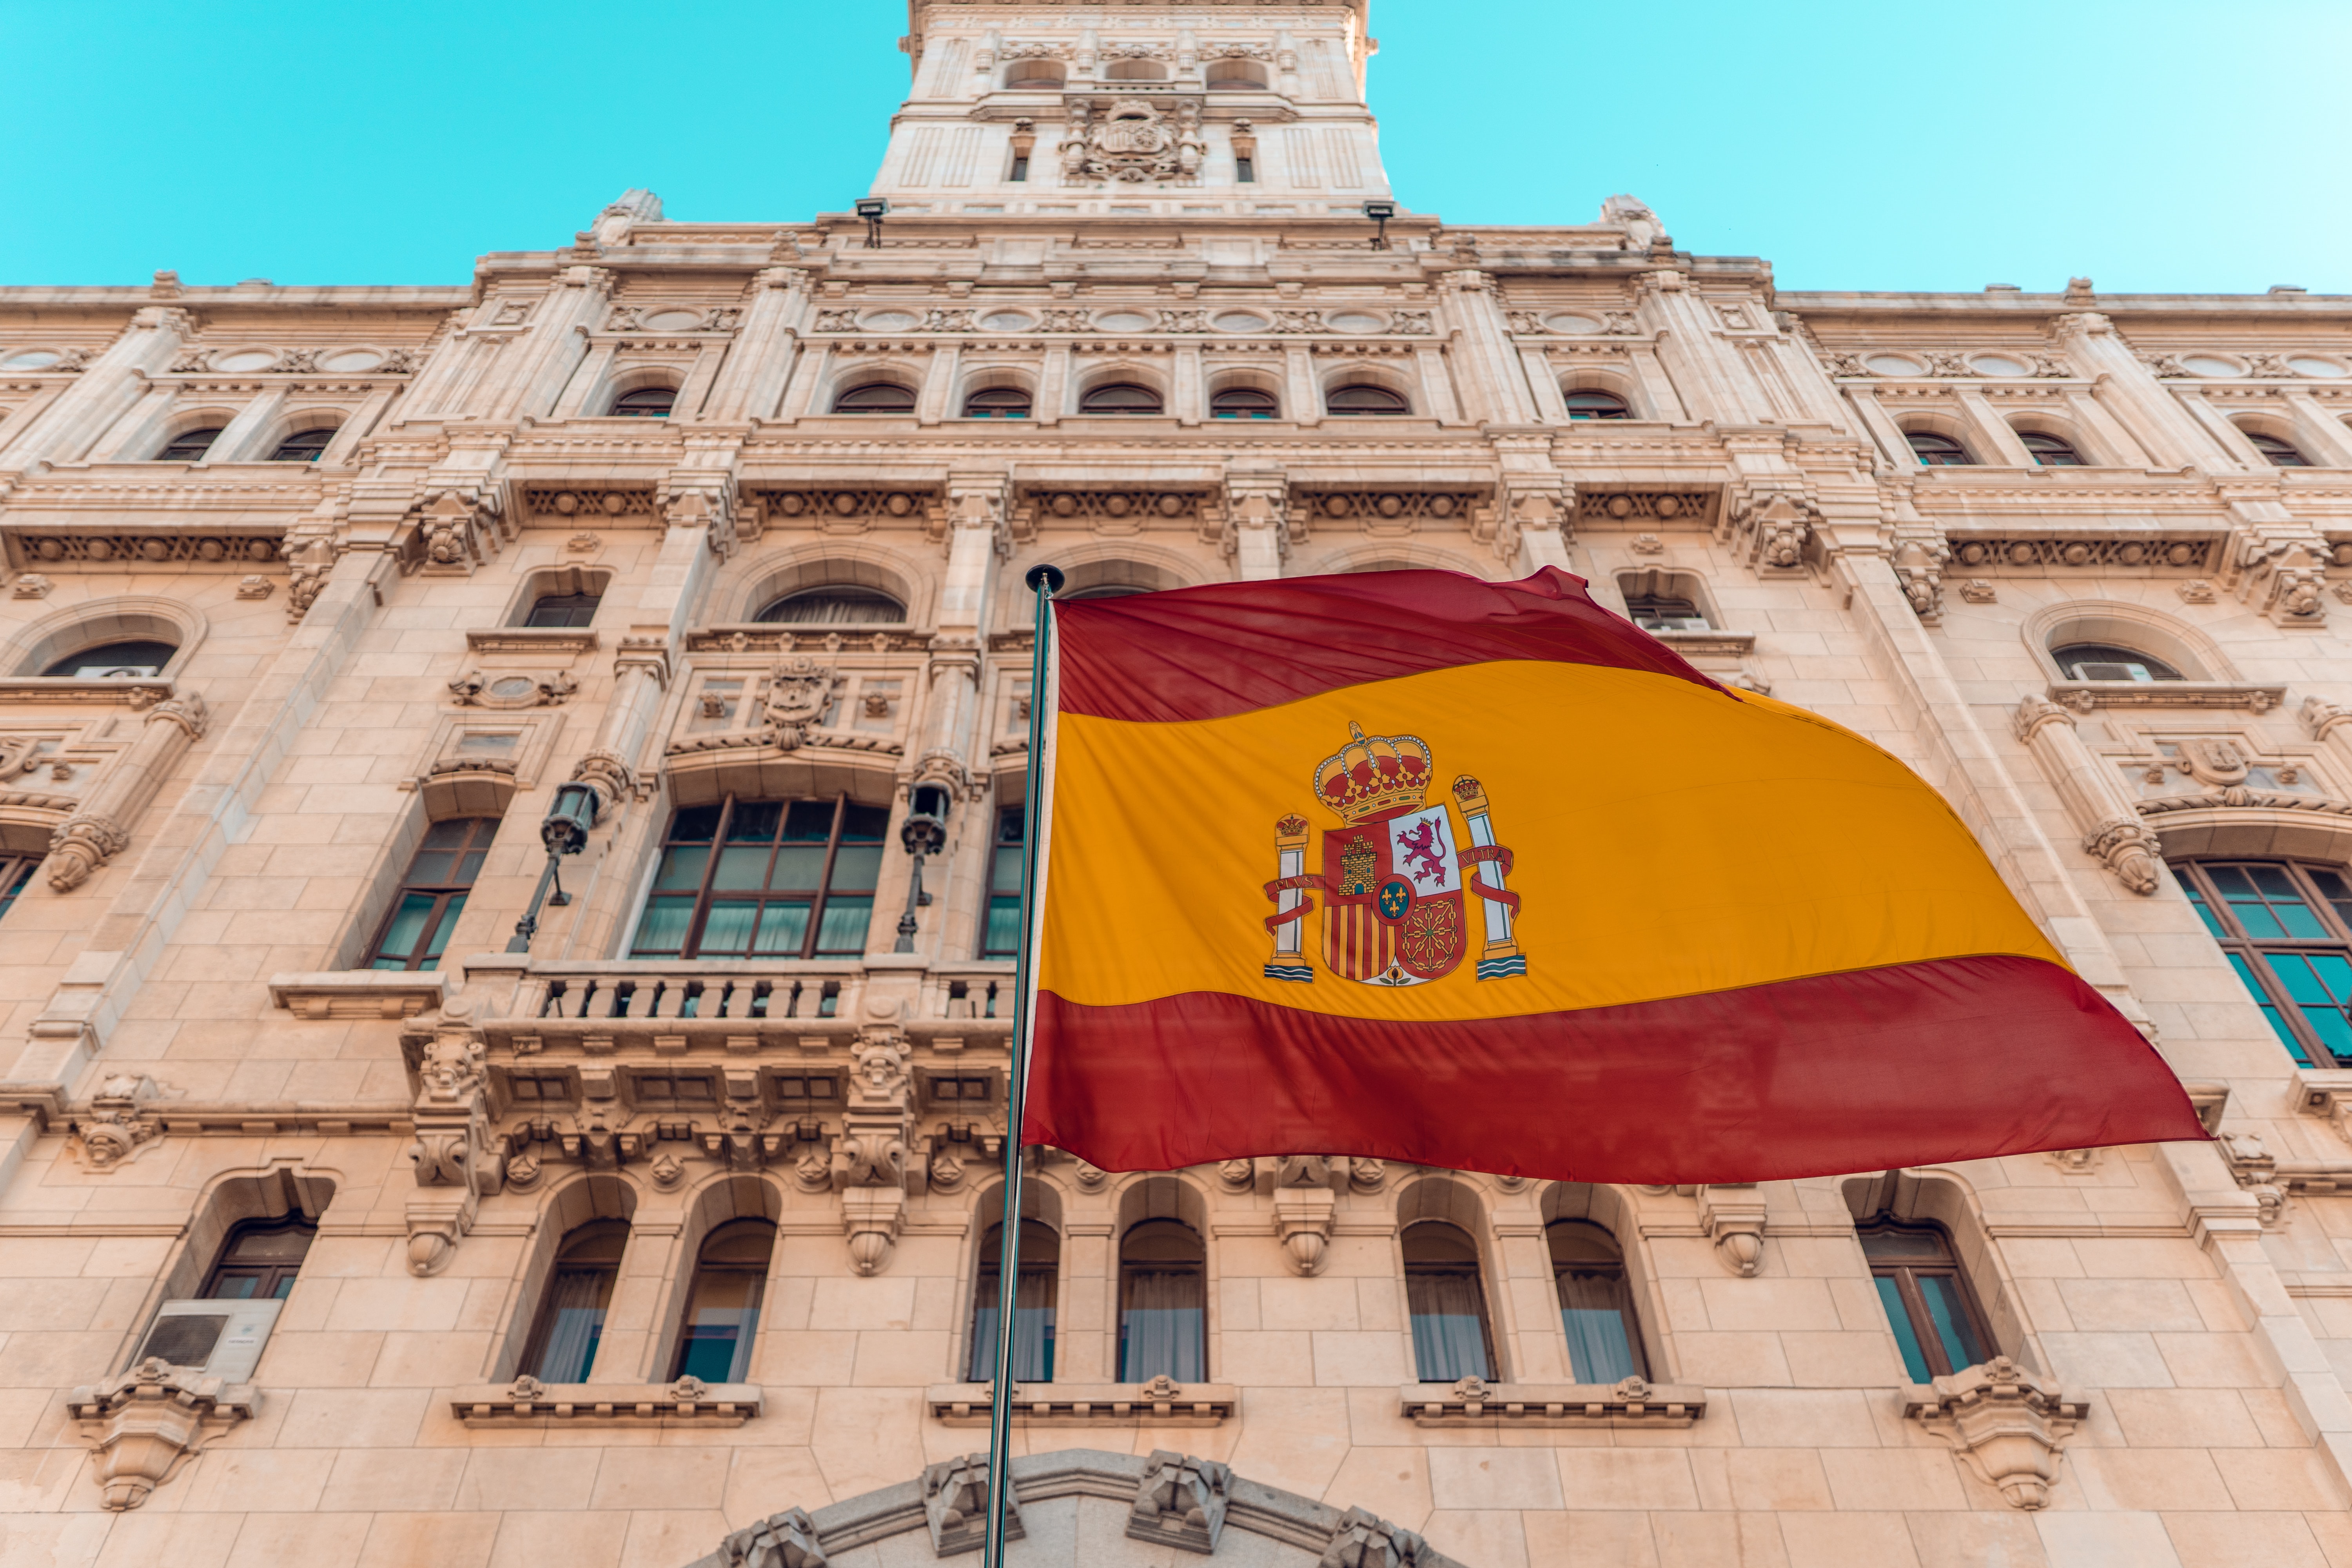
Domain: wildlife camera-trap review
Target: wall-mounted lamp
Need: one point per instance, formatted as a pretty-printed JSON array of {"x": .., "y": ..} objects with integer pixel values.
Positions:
[
  {"x": 872, "y": 209},
  {"x": 1380, "y": 213},
  {"x": 925, "y": 832},
  {"x": 565, "y": 831}
]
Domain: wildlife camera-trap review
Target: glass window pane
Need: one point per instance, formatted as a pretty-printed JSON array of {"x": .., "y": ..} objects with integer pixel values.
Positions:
[
  {"x": 408, "y": 925},
  {"x": 755, "y": 822},
  {"x": 843, "y": 929},
  {"x": 693, "y": 824},
  {"x": 1005, "y": 877},
  {"x": 2302, "y": 984},
  {"x": 740, "y": 870},
  {"x": 449, "y": 833},
  {"x": 856, "y": 868},
  {"x": 442, "y": 929},
  {"x": 2204, "y": 912},
  {"x": 784, "y": 927},
  {"x": 1942, "y": 1294},
  {"x": 1898, "y": 1318},
  {"x": 235, "y": 1287},
  {"x": 431, "y": 869},
  {"x": 1033, "y": 1326},
  {"x": 2254, "y": 915},
  {"x": 575, "y": 1321},
  {"x": 865, "y": 824},
  {"x": 1160, "y": 1329},
  {"x": 798, "y": 868},
  {"x": 661, "y": 932},
  {"x": 2334, "y": 889},
  {"x": 469, "y": 866},
  {"x": 810, "y": 821},
  {"x": 727, "y": 933},
  {"x": 2270, "y": 1010},
  {"x": 1449, "y": 1339},
  {"x": 1004, "y": 936},
  {"x": 681, "y": 869}
]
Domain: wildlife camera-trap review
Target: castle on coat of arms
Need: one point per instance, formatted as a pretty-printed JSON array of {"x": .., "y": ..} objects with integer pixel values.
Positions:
[{"x": 511, "y": 840}]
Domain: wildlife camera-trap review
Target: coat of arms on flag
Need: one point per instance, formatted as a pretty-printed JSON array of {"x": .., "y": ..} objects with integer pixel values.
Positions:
[{"x": 1396, "y": 874}]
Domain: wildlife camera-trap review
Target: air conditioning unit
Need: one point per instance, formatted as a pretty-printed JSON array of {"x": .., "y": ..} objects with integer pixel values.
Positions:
[{"x": 222, "y": 1338}]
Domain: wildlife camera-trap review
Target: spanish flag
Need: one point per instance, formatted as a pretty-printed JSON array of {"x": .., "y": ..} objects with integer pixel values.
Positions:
[{"x": 1478, "y": 875}]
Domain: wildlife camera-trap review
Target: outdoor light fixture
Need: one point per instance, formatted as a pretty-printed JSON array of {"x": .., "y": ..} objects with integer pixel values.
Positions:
[
  {"x": 872, "y": 209},
  {"x": 565, "y": 831},
  {"x": 925, "y": 832},
  {"x": 1380, "y": 213}
]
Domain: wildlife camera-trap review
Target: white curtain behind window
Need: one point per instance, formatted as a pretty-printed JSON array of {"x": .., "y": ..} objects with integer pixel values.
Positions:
[
  {"x": 1162, "y": 1330},
  {"x": 1449, "y": 1339}
]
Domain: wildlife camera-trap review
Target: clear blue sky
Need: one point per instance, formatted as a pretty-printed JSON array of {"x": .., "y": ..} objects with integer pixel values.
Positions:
[{"x": 2152, "y": 145}]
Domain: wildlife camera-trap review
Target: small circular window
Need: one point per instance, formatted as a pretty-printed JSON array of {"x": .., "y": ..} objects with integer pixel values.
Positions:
[
  {"x": 115, "y": 661},
  {"x": 2105, "y": 661}
]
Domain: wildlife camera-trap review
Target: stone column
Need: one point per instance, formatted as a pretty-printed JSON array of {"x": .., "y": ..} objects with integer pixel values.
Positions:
[
  {"x": 1257, "y": 522},
  {"x": 107, "y": 389},
  {"x": 1495, "y": 385},
  {"x": 2093, "y": 794},
  {"x": 760, "y": 363},
  {"x": 100, "y": 828},
  {"x": 2130, "y": 391},
  {"x": 697, "y": 535},
  {"x": 548, "y": 352}
]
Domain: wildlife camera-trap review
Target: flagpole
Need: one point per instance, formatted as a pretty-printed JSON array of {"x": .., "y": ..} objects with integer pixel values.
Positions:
[{"x": 1045, "y": 582}]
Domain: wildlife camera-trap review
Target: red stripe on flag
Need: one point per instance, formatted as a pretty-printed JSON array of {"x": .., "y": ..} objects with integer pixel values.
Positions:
[
  {"x": 1230, "y": 647},
  {"x": 1916, "y": 1064}
]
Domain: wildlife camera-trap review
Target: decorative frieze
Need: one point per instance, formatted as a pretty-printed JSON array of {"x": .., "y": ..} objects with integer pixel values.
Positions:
[
  {"x": 549, "y": 500},
  {"x": 2005, "y": 552},
  {"x": 240, "y": 551}
]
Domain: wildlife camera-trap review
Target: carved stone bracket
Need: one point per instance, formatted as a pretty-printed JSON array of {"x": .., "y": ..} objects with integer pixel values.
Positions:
[
  {"x": 786, "y": 1539},
  {"x": 142, "y": 1426},
  {"x": 609, "y": 774},
  {"x": 1733, "y": 1218},
  {"x": 1302, "y": 1218},
  {"x": 1918, "y": 560},
  {"x": 1181, "y": 1502},
  {"x": 955, "y": 1505},
  {"x": 117, "y": 1129},
  {"x": 100, "y": 830},
  {"x": 2282, "y": 575},
  {"x": 1255, "y": 521},
  {"x": 457, "y": 1161},
  {"x": 2009, "y": 1428},
  {"x": 2092, "y": 792},
  {"x": 1362, "y": 1540},
  {"x": 1772, "y": 531},
  {"x": 80, "y": 844}
]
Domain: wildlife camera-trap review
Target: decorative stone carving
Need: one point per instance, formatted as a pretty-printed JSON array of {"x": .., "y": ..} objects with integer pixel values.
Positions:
[
  {"x": 1361, "y": 1540},
  {"x": 1302, "y": 1218},
  {"x": 869, "y": 1164},
  {"x": 2009, "y": 1428},
  {"x": 1978, "y": 591},
  {"x": 800, "y": 691},
  {"x": 116, "y": 1129},
  {"x": 2093, "y": 793},
  {"x": 1367, "y": 1174},
  {"x": 1237, "y": 1175},
  {"x": 144, "y": 1425},
  {"x": 611, "y": 776},
  {"x": 1775, "y": 527},
  {"x": 1918, "y": 565},
  {"x": 955, "y": 1505},
  {"x": 255, "y": 587},
  {"x": 455, "y": 1159},
  {"x": 31, "y": 585},
  {"x": 1133, "y": 141},
  {"x": 453, "y": 536},
  {"x": 305, "y": 580},
  {"x": 1181, "y": 1502},
  {"x": 476, "y": 689},
  {"x": 1733, "y": 1217},
  {"x": 786, "y": 1539},
  {"x": 80, "y": 844}
]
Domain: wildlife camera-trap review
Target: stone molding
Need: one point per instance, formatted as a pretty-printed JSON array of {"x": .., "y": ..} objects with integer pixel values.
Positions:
[
  {"x": 527, "y": 1404},
  {"x": 2085, "y": 695},
  {"x": 142, "y": 1426},
  {"x": 2009, "y": 1427},
  {"x": 1473, "y": 1401},
  {"x": 1162, "y": 1401}
]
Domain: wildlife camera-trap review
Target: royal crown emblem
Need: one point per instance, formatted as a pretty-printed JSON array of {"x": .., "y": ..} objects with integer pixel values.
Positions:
[{"x": 1397, "y": 873}]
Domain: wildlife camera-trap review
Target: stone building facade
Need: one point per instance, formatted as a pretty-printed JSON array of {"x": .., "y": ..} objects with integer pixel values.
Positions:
[{"x": 334, "y": 1229}]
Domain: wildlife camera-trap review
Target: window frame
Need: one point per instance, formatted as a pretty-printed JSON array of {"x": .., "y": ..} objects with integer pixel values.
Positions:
[
  {"x": 213, "y": 434},
  {"x": 542, "y": 1328},
  {"x": 278, "y": 454},
  {"x": 762, "y": 898},
  {"x": 2070, "y": 455},
  {"x": 1011, "y": 836},
  {"x": 2276, "y": 450},
  {"x": 1197, "y": 1270},
  {"x": 2250, "y": 955},
  {"x": 974, "y": 407},
  {"x": 1474, "y": 1271},
  {"x": 1954, "y": 452},
  {"x": 476, "y": 843},
  {"x": 980, "y": 1355},
  {"x": 1087, "y": 406},
  {"x": 16, "y": 875},
  {"x": 1401, "y": 408},
  {"x": 841, "y": 404},
  {"x": 1617, "y": 407},
  {"x": 570, "y": 604},
  {"x": 1906, "y": 1274},
  {"x": 621, "y": 407},
  {"x": 273, "y": 1279},
  {"x": 124, "y": 668},
  {"x": 1244, "y": 402},
  {"x": 1617, "y": 1271},
  {"x": 739, "y": 1361}
]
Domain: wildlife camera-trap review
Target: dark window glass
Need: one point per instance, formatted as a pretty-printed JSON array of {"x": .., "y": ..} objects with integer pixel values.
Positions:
[
  {"x": 115, "y": 661},
  {"x": 261, "y": 1259},
  {"x": 189, "y": 445},
  {"x": 2051, "y": 451},
  {"x": 433, "y": 893},
  {"x": 1034, "y": 73},
  {"x": 2286, "y": 927},
  {"x": 1366, "y": 400},
  {"x": 1928, "y": 1303},
  {"x": 1245, "y": 169},
  {"x": 1104, "y": 591},
  {"x": 1163, "y": 1303},
  {"x": 2282, "y": 454},
  {"x": 562, "y": 1344},
  {"x": 1002, "y": 937},
  {"x": 722, "y": 1313},
  {"x": 1663, "y": 613},
  {"x": 835, "y": 607},
  {"x": 998, "y": 402},
  {"x": 303, "y": 445},
  {"x": 645, "y": 402},
  {"x": 1596, "y": 1304},
  {"x": 1020, "y": 167},
  {"x": 1244, "y": 402},
  {"x": 16, "y": 870},
  {"x": 1033, "y": 1303},
  {"x": 563, "y": 609},
  {"x": 1597, "y": 405},
  {"x": 765, "y": 878},
  {"x": 1236, "y": 74},
  {"x": 2105, "y": 661},
  {"x": 1119, "y": 397},
  {"x": 876, "y": 397},
  {"x": 1448, "y": 1302},
  {"x": 1935, "y": 451}
]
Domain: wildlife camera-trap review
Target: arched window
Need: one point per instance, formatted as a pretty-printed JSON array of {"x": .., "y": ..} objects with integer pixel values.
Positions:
[
  {"x": 1033, "y": 1303},
  {"x": 563, "y": 610},
  {"x": 432, "y": 894},
  {"x": 189, "y": 445},
  {"x": 2286, "y": 927},
  {"x": 2050, "y": 451},
  {"x": 1596, "y": 1303},
  {"x": 1119, "y": 397},
  {"x": 562, "y": 1344},
  {"x": 260, "y": 1259},
  {"x": 1163, "y": 1318},
  {"x": 1104, "y": 591},
  {"x": 1244, "y": 402},
  {"x": 1034, "y": 74},
  {"x": 765, "y": 878},
  {"x": 304, "y": 445},
  {"x": 1928, "y": 1303},
  {"x": 1365, "y": 400},
  {"x": 1448, "y": 1303},
  {"x": 834, "y": 605},
  {"x": 1664, "y": 613},
  {"x": 722, "y": 1312},
  {"x": 1236, "y": 74},
  {"x": 115, "y": 661},
  {"x": 2282, "y": 454},
  {"x": 1135, "y": 70},
  {"x": 1937, "y": 451},
  {"x": 876, "y": 397},
  {"x": 2104, "y": 661},
  {"x": 645, "y": 402},
  {"x": 998, "y": 402},
  {"x": 1591, "y": 405}
]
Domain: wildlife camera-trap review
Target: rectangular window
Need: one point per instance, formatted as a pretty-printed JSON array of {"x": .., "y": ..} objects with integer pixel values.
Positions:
[
  {"x": 1246, "y": 170},
  {"x": 2286, "y": 929},
  {"x": 432, "y": 894},
  {"x": 1001, "y": 938},
  {"x": 562, "y": 610},
  {"x": 764, "y": 878},
  {"x": 1020, "y": 167},
  {"x": 1928, "y": 1302}
]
